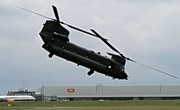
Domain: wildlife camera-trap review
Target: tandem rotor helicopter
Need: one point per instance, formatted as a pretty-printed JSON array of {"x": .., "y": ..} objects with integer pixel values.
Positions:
[{"x": 56, "y": 42}]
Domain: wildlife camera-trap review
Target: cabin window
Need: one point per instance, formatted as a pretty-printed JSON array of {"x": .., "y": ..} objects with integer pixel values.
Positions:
[{"x": 109, "y": 67}]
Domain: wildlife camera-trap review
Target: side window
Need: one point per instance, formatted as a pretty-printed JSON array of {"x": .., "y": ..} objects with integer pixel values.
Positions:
[{"x": 111, "y": 66}]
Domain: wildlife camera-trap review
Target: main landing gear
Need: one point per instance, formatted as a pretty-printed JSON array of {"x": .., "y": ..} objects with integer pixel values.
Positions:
[
  {"x": 90, "y": 72},
  {"x": 51, "y": 55}
]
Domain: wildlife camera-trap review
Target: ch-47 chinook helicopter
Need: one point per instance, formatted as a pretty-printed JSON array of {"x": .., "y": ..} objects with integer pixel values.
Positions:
[{"x": 56, "y": 42}]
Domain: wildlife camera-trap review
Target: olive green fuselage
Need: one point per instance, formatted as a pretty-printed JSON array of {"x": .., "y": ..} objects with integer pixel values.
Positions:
[{"x": 56, "y": 41}]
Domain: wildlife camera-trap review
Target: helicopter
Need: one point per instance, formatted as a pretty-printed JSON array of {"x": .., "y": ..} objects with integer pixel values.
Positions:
[{"x": 56, "y": 41}]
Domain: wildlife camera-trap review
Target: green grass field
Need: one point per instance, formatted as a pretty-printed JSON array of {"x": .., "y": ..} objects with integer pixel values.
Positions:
[{"x": 96, "y": 105}]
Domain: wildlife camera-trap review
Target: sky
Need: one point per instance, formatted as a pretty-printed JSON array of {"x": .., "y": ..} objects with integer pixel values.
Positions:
[{"x": 144, "y": 30}]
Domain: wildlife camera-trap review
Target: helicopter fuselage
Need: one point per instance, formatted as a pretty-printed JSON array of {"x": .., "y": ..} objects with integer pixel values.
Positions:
[{"x": 56, "y": 41}]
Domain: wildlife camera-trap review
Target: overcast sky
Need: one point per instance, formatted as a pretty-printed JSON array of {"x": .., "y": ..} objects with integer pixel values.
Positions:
[{"x": 144, "y": 30}]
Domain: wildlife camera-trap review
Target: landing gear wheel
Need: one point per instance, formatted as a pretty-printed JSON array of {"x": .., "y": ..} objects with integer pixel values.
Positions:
[
  {"x": 50, "y": 55},
  {"x": 90, "y": 72}
]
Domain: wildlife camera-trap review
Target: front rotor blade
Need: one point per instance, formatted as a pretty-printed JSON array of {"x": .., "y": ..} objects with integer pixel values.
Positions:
[
  {"x": 55, "y": 12},
  {"x": 78, "y": 29},
  {"x": 34, "y": 13}
]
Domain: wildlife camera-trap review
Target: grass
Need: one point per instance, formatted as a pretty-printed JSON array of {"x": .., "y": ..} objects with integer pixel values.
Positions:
[{"x": 97, "y": 105}]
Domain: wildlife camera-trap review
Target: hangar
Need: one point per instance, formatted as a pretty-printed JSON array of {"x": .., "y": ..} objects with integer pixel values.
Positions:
[{"x": 100, "y": 92}]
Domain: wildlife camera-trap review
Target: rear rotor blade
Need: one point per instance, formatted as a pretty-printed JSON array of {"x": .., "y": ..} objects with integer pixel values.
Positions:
[
  {"x": 106, "y": 42},
  {"x": 157, "y": 70},
  {"x": 55, "y": 12},
  {"x": 113, "y": 48}
]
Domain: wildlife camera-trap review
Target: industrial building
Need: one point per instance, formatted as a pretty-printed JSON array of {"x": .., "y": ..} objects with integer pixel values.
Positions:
[
  {"x": 21, "y": 92},
  {"x": 100, "y": 92}
]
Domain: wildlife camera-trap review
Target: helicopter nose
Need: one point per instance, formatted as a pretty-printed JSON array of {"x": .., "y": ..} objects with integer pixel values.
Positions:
[{"x": 45, "y": 37}]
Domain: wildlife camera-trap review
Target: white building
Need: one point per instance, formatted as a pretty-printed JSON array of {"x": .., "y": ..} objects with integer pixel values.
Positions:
[{"x": 111, "y": 92}]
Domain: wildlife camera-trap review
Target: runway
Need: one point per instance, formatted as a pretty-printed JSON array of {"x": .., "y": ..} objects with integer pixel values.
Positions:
[{"x": 95, "y": 108}]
